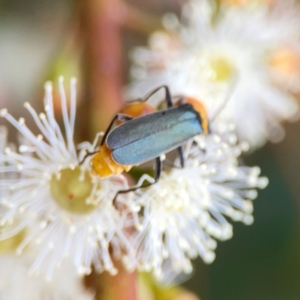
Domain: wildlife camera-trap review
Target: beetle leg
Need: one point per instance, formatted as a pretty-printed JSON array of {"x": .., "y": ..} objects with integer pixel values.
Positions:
[
  {"x": 157, "y": 173},
  {"x": 181, "y": 156},
  {"x": 117, "y": 117},
  {"x": 181, "y": 159},
  {"x": 157, "y": 170}
]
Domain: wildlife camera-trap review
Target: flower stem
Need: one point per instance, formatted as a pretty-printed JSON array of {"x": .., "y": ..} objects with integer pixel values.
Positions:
[
  {"x": 102, "y": 23},
  {"x": 138, "y": 21},
  {"x": 103, "y": 60}
]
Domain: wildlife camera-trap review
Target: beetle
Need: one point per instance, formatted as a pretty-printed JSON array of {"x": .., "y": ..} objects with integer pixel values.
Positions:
[{"x": 146, "y": 134}]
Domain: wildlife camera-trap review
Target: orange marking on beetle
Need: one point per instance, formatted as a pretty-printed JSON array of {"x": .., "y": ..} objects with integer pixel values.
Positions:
[
  {"x": 136, "y": 110},
  {"x": 200, "y": 108}
]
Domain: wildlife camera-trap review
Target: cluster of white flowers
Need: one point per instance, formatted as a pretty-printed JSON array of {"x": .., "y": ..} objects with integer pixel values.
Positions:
[
  {"x": 56, "y": 212},
  {"x": 186, "y": 210},
  {"x": 252, "y": 54},
  {"x": 63, "y": 211},
  {"x": 240, "y": 59}
]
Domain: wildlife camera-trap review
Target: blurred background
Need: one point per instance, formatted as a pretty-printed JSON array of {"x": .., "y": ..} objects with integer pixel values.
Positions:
[{"x": 42, "y": 39}]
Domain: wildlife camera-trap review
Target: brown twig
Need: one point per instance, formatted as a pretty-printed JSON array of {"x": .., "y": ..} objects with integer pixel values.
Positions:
[
  {"x": 139, "y": 21},
  {"x": 103, "y": 60},
  {"x": 102, "y": 22},
  {"x": 106, "y": 287},
  {"x": 101, "y": 32}
]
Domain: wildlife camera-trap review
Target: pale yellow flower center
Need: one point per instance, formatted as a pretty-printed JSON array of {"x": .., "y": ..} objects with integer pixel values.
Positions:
[
  {"x": 71, "y": 190},
  {"x": 11, "y": 244},
  {"x": 220, "y": 69}
]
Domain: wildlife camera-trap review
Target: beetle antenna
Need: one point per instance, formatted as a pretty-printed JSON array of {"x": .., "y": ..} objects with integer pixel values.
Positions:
[
  {"x": 227, "y": 97},
  {"x": 168, "y": 96},
  {"x": 86, "y": 156}
]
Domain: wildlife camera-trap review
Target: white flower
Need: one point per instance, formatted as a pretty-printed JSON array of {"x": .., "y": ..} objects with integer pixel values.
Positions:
[
  {"x": 16, "y": 284},
  {"x": 47, "y": 186},
  {"x": 19, "y": 284},
  {"x": 238, "y": 53},
  {"x": 280, "y": 20},
  {"x": 189, "y": 208}
]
